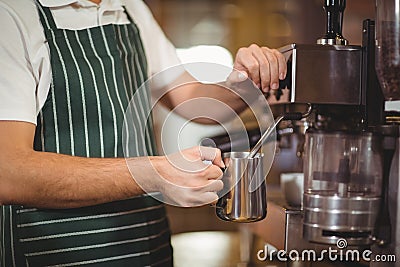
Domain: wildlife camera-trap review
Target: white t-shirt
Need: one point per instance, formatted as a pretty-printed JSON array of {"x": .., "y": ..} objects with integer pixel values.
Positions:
[{"x": 25, "y": 71}]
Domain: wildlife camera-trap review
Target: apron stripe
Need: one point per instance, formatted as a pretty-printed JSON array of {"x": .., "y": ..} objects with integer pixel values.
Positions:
[
  {"x": 135, "y": 112},
  {"x": 41, "y": 131},
  {"x": 122, "y": 111},
  {"x": 161, "y": 262},
  {"x": 124, "y": 54},
  {"x": 104, "y": 230},
  {"x": 98, "y": 245},
  {"x": 109, "y": 258},
  {"x": 2, "y": 228},
  {"x": 141, "y": 115},
  {"x": 67, "y": 91},
  {"x": 12, "y": 238},
  {"x": 57, "y": 140},
  {"x": 87, "y": 149},
  {"x": 137, "y": 52},
  {"x": 44, "y": 15},
  {"x": 89, "y": 217},
  {"x": 133, "y": 84},
  {"x": 129, "y": 93},
  {"x": 93, "y": 76},
  {"x": 117, "y": 250},
  {"x": 108, "y": 93},
  {"x": 25, "y": 210},
  {"x": 140, "y": 59},
  {"x": 138, "y": 85},
  {"x": 56, "y": 134}
]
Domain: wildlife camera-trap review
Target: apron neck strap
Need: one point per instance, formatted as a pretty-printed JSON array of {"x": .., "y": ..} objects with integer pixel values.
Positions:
[{"x": 46, "y": 17}]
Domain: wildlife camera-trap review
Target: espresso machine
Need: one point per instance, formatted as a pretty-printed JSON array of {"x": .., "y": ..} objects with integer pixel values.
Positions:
[
  {"x": 342, "y": 159},
  {"x": 351, "y": 150},
  {"x": 351, "y": 155}
]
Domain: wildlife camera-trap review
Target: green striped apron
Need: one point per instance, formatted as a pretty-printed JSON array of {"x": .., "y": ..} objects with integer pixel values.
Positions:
[{"x": 96, "y": 71}]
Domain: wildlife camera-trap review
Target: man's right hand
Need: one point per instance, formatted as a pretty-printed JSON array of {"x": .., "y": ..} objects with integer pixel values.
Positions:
[{"x": 185, "y": 178}]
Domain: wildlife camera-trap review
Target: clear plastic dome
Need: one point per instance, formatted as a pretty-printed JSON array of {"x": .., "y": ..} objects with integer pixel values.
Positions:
[{"x": 343, "y": 164}]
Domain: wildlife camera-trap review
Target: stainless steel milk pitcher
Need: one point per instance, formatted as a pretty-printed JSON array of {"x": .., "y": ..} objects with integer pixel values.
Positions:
[{"x": 244, "y": 193}]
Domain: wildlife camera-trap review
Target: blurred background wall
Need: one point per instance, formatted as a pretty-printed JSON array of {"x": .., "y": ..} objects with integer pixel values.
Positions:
[{"x": 236, "y": 23}]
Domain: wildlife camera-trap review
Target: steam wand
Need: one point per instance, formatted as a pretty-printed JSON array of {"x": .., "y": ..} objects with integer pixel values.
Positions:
[{"x": 269, "y": 131}]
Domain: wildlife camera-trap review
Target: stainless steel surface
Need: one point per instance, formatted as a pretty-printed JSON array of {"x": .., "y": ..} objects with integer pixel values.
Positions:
[
  {"x": 244, "y": 181},
  {"x": 324, "y": 74},
  {"x": 330, "y": 218},
  {"x": 333, "y": 41}
]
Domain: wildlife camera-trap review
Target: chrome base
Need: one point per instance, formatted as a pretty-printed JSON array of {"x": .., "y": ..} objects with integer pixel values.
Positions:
[
  {"x": 328, "y": 219},
  {"x": 332, "y": 41}
]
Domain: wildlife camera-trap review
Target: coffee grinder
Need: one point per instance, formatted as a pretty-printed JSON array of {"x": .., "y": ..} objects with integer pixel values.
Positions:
[{"x": 388, "y": 68}]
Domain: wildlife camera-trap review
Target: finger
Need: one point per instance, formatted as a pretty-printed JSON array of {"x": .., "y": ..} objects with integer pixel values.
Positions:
[
  {"x": 218, "y": 159},
  {"x": 210, "y": 186},
  {"x": 282, "y": 66},
  {"x": 273, "y": 67},
  {"x": 212, "y": 154},
  {"x": 265, "y": 67},
  {"x": 209, "y": 198},
  {"x": 214, "y": 172},
  {"x": 236, "y": 76},
  {"x": 214, "y": 203},
  {"x": 246, "y": 61},
  {"x": 197, "y": 198},
  {"x": 214, "y": 186},
  {"x": 187, "y": 160}
]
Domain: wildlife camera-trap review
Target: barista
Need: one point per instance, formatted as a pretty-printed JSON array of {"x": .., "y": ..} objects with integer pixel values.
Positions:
[{"x": 68, "y": 71}]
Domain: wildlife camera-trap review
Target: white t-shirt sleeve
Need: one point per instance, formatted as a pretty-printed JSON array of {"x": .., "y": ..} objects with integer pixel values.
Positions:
[
  {"x": 160, "y": 52},
  {"x": 17, "y": 83}
]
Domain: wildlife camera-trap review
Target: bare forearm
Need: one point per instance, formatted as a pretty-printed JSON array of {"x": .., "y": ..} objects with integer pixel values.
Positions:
[
  {"x": 50, "y": 180},
  {"x": 208, "y": 103},
  {"x": 221, "y": 102},
  {"x": 204, "y": 103}
]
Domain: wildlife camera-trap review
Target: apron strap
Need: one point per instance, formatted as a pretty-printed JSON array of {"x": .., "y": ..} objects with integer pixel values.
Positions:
[
  {"x": 129, "y": 16},
  {"x": 46, "y": 18}
]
